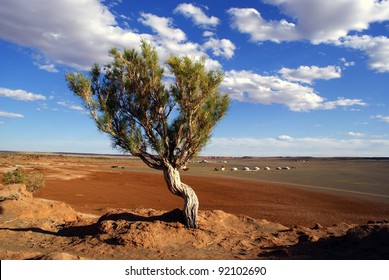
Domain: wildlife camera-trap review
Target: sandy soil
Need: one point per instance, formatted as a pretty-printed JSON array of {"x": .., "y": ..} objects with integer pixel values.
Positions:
[
  {"x": 239, "y": 218},
  {"x": 280, "y": 203}
]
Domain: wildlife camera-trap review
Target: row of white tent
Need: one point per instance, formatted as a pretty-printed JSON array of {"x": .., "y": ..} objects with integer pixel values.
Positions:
[{"x": 254, "y": 169}]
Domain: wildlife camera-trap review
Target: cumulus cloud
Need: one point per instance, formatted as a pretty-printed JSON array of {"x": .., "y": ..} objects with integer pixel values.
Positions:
[
  {"x": 247, "y": 86},
  {"x": 250, "y": 21},
  {"x": 315, "y": 20},
  {"x": 197, "y": 15},
  {"x": 208, "y": 34},
  {"x": 19, "y": 94},
  {"x": 79, "y": 35},
  {"x": 223, "y": 47},
  {"x": 307, "y": 74},
  {"x": 382, "y": 118},
  {"x": 84, "y": 31},
  {"x": 10, "y": 115},
  {"x": 171, "y": 40},
  {"x": 376, "y": 48},
  {"x": 163, "y": 27},
  {"x": 319, "y": 21},
  {"x": 304, "y": 146}
]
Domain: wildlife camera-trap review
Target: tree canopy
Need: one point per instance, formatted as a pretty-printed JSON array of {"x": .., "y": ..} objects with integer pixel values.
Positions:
[{"x": 160, "y": 124}]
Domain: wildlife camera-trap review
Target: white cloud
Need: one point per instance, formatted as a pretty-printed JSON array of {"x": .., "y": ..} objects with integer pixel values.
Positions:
[
  {"x": 315, "y": 20},
  {"x": 48, "y": 67},
  {"x": 70, "y": 106},
  {"x": 19, "y": 94},
  {"x": 208, "y": 34},
  {"x": 70, "y": 32},
  {"x": 247, "y": 86},
  {"x": 83, "y": 32},
  {"x": 197, "y": 15},
  {"x": 343, "y": 102},
  {"x": 382, "y": 118},
  {"x": 10, "y": 115},
  {"x": 251, "y": 22},
  {"x": 284, "y": 138},
  {"x": 306, "y": 74},
  {"x": 163, "y": 27},
  {"x": 354, "y": 134},
  {"x": 347, "y": 63},
  {"x": 223, "y": 47},
  {"x": 170, "y": 40},
  {"x": 376, "y": 48},
  {"x": 305, "y": 146},
  {"x": 321, "y": 22}
]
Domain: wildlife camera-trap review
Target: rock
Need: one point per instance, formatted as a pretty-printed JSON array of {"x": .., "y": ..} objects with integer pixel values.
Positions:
[{"x": 317, "y": 226}]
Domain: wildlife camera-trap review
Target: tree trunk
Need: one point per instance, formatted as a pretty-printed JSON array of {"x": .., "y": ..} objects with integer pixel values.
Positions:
[{"x": 191, "y": 205}]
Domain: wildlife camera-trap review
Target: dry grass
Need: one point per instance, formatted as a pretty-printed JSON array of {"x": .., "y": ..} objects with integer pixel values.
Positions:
[{"x": 33, "y": 181}]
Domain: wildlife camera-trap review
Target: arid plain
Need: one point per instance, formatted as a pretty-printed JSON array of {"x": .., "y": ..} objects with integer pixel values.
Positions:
[{"x": 114, "y": 207}]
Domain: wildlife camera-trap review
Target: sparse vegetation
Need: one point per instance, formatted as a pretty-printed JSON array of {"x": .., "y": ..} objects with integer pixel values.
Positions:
[
  {"x": 33, "y": 181},
  {"x": 14, "y": 177}
]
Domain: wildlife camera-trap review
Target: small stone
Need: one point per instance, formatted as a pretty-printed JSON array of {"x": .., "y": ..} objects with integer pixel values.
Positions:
[{"x": 318, "y": 226}]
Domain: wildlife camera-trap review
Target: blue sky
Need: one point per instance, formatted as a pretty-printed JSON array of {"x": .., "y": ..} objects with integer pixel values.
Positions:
[{"x": 306, "y": 77}]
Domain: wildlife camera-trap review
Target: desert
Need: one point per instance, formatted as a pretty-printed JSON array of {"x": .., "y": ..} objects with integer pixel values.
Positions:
[{"x": 115, "y": 207}]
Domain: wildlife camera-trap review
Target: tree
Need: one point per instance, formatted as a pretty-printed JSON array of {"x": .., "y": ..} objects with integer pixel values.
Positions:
[{"x": 165, "y": 126}]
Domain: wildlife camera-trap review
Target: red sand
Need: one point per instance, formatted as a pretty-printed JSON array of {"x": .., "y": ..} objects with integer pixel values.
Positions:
[{"x": 280, "y": 203}]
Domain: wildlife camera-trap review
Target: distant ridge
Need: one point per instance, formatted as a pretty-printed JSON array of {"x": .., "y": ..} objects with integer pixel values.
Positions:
[
  {"x": 66, "y": 153},
  {"x": 203, "y": 156}
]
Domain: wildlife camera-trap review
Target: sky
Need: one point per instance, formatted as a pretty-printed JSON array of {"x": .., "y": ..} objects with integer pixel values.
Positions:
[{"x": 305, "y": 77}]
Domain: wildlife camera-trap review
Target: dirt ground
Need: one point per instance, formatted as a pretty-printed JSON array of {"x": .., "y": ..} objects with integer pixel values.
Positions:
[{"x": 240, "y": 218}]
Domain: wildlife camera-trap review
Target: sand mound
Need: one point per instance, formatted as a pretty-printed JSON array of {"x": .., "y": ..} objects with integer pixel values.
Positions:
[
  {"x": 19, "y": 207},
  {"x": 152, "y": 234},
  {"x": 14, "y": 192},
  {"x": 57, "y": 256},
  {"x": 33, "y": 228}
]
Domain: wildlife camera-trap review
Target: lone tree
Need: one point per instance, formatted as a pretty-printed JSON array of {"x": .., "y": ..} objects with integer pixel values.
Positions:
[{"x": 164, "y": 126}]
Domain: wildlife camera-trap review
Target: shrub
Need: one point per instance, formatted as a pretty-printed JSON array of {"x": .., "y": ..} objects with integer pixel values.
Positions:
[
  {"x": 33, "y": 181},
  {"x": 14, "y": 177}
]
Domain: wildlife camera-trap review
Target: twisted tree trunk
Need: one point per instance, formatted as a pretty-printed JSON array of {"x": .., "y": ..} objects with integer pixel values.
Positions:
[{"x": 191, "y": 205}]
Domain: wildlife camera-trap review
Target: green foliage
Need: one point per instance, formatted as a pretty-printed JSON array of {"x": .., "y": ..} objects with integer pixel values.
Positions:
[
  {"x": 161, "y": 125},
  {"x": 14, "y": 177},
  {"x": 33, "y": 181}
]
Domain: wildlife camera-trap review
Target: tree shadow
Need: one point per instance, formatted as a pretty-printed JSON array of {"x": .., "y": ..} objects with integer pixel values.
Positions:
[
  {"x": 81, "y": 231},
  {"x": 173, "y": 216},
  {"x": 365, "y": 243}
]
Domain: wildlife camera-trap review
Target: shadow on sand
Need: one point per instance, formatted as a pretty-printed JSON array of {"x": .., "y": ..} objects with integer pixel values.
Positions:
[
  {"x": 366, "y": 242},
  {"x": 81, "y": 231},
  {"x": 173, "y": 216}
]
